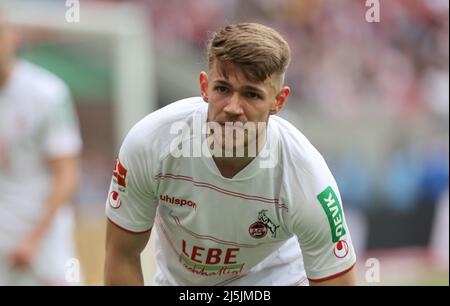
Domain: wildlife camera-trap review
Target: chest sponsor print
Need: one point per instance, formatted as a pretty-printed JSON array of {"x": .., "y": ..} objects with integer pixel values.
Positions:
[{"x": 206, "y": 261}]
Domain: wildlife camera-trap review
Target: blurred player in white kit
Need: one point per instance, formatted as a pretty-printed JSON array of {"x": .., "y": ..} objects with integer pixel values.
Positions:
[{"x": 39, "y": 147}]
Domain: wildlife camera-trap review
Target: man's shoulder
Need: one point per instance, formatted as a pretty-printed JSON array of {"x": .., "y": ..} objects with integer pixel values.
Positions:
[
  {"x": 157, "y": 130},
  {"x": 40, "y": 82},
  {"x": 179, "y": 109},
  {"x": 162, "y": 119},
  {"x": 305, "y": 172},
  {"x": 292, "y": 140},
  {"x": 297, "y": 151}
]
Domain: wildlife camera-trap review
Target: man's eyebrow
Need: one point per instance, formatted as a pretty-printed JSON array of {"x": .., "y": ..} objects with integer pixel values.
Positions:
[
  {"x": 222, "y": 82},
  {"x": 245, "y": 87},
  {"x": 253, "y": 88}
]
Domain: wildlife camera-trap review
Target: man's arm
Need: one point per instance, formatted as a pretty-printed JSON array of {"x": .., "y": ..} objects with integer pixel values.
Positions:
[
  {"x": 346, "y": 279},
  {"x": 65, "y": 178},
  {"x": 123, "y": 251}
]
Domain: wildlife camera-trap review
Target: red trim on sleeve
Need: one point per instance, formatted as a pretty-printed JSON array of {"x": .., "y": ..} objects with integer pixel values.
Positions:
[
  {"x": 127, "y": 230},
  {"x": 332, "y": 276}
]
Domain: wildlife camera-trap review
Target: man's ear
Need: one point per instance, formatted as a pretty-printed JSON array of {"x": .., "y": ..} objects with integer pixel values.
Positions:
[
  {"x": 204, "y": 85},
  {"x": 280, "y": 99}
]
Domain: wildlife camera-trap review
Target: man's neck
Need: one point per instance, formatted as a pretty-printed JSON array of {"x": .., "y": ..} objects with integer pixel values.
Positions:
[{"x": 230, "y": 166}]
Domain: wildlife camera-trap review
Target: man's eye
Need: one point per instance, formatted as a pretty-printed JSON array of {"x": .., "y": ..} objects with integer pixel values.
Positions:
[
  {"x": 252, "y": 95},
  {"x": 221, "y": 89}
]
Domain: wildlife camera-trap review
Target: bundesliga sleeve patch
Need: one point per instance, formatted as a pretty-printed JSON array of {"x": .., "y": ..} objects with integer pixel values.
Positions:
[
  {"x": 333, "y": 210},
  {"x": 120, "y": 176}
]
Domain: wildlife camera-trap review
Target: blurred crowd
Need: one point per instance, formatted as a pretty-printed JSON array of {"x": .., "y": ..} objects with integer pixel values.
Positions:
[
  {"x": 341, "y": 62},
  {"x": 344, "y": 66}
]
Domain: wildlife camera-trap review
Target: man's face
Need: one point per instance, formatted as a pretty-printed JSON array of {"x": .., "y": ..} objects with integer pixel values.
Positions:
[{"x": 234, "y": 98}]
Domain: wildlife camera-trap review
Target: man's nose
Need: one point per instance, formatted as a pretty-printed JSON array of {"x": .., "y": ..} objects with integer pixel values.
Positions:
[{"x": 234, "y": 107}]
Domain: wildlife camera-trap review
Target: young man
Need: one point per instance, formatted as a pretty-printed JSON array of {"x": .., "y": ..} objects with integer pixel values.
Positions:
[
  {"x": 39, "y": 147},
  {"x": 271, "y": 215}
]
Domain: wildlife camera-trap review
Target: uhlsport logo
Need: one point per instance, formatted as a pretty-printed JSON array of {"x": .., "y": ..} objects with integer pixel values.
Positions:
[
  {"x": 114, "y": 200},
  {"x": 341, "y": 249},
  {"x": 257, "y": 230},
  {"x": 333, "y": 210},
  {"x": 177, "y": 201}
]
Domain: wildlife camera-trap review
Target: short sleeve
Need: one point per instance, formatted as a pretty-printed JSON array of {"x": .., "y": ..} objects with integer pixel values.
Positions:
[
  {"x": 131, "y": 202},
  {"x": 319, "y": 223}
]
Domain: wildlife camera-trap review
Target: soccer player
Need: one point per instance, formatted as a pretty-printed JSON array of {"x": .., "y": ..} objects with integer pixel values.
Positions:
[
  {"x": 39, "y": 148},
  {"x": 269, "y": 214}
]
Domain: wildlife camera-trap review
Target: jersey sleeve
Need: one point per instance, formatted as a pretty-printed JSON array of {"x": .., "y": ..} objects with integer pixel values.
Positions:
[
  {"x": 131, "y": 203},
  {"x": 318, "y": 221},
  {"x": 62, "y": 133}
]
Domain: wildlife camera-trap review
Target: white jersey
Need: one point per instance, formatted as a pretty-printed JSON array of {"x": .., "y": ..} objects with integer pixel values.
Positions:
[
  {"x": 37, "y": 122},
  {"x": 271, "y": 224}
]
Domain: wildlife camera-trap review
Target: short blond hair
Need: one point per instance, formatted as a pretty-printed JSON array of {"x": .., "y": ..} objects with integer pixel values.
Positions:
[{"x": 258, "y": 50}]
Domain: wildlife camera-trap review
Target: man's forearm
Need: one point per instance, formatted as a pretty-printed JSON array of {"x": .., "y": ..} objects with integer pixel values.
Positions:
[
  {"x": 64, "y": 183},
  {"x": 123, "y": 256},
  {"x": 64, "y": 186},
  {"x": 123, "y": 270}
]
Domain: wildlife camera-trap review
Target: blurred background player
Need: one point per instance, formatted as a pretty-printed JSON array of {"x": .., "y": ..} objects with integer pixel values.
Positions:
[{"x": 39, "y": 147}]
